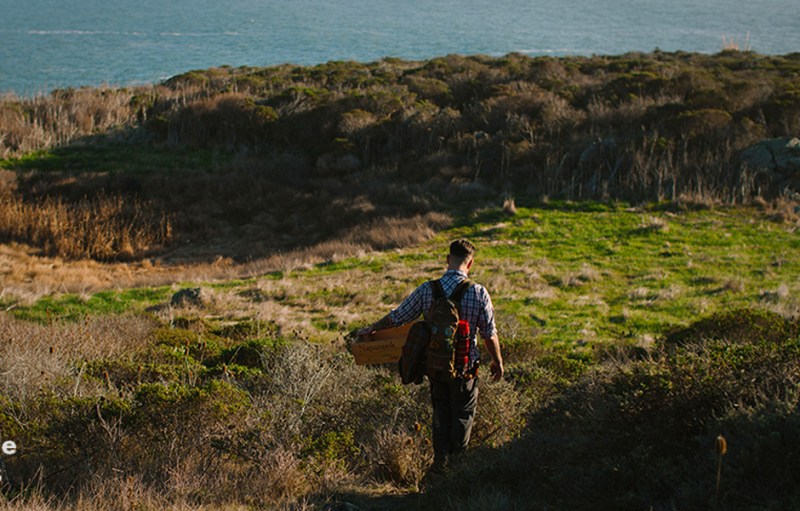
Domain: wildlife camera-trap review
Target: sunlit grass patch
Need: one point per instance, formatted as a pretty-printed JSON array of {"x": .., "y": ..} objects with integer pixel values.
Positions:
[
  {"x": 571, "y": 275},
  {"x": 662, "y": 268},
  {"x": 72, "y": 307}
]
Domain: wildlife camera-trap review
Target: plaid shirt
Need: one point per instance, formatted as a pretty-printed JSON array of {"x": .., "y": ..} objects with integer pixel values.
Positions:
[{"x": 476, "y": 308}]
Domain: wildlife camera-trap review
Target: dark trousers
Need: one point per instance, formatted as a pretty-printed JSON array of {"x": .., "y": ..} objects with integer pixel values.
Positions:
[{"x": 454, "y": 404}]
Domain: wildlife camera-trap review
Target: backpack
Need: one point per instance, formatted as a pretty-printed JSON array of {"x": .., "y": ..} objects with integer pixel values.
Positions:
[{"x": 430, "y": 346}]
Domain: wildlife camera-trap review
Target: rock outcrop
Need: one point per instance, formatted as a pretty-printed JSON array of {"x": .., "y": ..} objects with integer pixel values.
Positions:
[
  {"x": 779, "y": 158},
  {"x": 191, "y": 297}
]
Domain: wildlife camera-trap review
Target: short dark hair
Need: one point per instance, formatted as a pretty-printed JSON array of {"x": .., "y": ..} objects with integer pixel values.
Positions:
[{"x": 462, "y": 249}]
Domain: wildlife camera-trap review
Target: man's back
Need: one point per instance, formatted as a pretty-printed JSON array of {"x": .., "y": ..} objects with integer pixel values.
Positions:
[{"x": 476, "y": 308}]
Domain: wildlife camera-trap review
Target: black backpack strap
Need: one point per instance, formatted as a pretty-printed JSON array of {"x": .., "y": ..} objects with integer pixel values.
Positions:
[
  {"x": 459, "y": 291},
  {"x": 438, "y": 290},
  {"x": 438, "y": 294}
]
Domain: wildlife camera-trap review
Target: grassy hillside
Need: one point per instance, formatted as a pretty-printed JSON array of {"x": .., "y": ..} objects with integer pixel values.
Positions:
[
  {"x": 643, "y": 268},
  {"x": 289, "y": 157},
  {"x": 249, "y": 397},
  {"x": 564, "y": 273}
]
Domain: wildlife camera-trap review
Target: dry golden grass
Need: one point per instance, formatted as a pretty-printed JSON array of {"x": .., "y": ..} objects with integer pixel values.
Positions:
[
  {"x": 34, "y": 356},
  {"x": 653, "y": 224},
  {"x": 397, "y": 232},
  {"x": 784, "y": 209},
  {"x": 782, "y": 300},
  {"x": 649, "y": 296},
  {"x": 731, "y": 44},
  {"x": 398, "y": 456},
  {"x": 27, "y": 274},
  {"x": 586, "y": 275},
  {"x": 126, "y": 493},
  {"x": 105, "y": 227},
  {"x": 43, "y": 122}
]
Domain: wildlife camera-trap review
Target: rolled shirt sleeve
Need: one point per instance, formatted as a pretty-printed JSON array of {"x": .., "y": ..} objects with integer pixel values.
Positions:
[{"x": 486, "y": 325}]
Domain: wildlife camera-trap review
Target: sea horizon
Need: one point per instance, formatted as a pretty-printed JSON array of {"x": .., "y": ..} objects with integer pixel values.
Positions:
[{"x": 48, "y": 45}]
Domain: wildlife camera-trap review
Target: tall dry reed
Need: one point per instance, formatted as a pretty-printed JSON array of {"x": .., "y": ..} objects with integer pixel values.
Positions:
[{"x": 104, "y": 227}]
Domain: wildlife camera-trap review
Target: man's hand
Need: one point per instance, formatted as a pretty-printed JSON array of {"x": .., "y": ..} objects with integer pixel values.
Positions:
[
  {"x": 496, "y": 368},
  {"x": 382, "y": 324},
  {"x": 367, "y": 330},
  {"x": 493, "y": 347}
]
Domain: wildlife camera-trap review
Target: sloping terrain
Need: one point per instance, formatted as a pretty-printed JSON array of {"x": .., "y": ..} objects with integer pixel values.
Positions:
[{"x": 244, "y": 393}]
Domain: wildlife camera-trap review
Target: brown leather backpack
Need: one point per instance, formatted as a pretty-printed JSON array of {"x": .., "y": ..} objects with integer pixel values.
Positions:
[{"x": 430, "y": 345}]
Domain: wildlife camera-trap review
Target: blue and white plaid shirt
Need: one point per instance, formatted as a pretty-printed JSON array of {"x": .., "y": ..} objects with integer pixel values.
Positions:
[{"x": 476, "y": 308}]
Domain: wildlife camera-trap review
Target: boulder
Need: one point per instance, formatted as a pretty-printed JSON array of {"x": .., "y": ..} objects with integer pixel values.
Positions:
[
  {"x": 190, "y": 297},
  {"x": 779, "y": 157}
]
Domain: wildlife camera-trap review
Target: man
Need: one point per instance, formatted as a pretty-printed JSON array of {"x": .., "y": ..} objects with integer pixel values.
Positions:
[{"x": 454, "y": 401}]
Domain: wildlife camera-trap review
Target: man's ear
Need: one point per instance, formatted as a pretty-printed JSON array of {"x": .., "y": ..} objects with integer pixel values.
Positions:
[{"x": 469, "y": 264}]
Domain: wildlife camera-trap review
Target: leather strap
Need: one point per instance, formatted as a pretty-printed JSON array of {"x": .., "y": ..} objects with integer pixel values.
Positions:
[{"x": 459, "y": 291}]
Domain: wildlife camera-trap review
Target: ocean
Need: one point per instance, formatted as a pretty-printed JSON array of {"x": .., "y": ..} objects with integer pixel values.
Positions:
[{"x": 48, "y": 44}]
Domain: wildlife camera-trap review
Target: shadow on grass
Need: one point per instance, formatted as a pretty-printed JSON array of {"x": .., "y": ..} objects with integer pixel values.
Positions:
[
  {"x": 91, "y": 156},
  {"x": 639, "y": 432},
  {"x": 241, "y": 207},
  {"x": 366, "y": 502}
]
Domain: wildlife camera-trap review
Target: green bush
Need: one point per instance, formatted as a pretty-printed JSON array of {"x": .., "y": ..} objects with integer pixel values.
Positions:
[
  {"x": 431, "y": 89},
  {"x": 253, "y": 353},
  {"x": 744, "y": 326},
  {"x": 189, "y": 343},
  {"x": 705, "y": 122},
  {"x": 634, "y": 84},
  {"x": 782, "y": 112},
  {"x": 245, "y": 329},
  {"x": 639, "y": 434}
]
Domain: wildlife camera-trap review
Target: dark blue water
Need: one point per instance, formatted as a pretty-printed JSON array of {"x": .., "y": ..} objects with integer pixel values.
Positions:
[{"x": 46, "y": 44}]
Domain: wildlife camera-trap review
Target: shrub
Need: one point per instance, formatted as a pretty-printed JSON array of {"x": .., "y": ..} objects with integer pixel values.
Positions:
[
  {"x": 227, "y": 121},
  {"x": 782, "y": 111},
  {"x": 402, "y": 457},
  {"x": 431, "y": 89},
  {"x": 639, "y": 433},
  {"x": 254, "y": 353},
  {"x": 746, "y": 326},
  {"x": 704, "y": 122}
]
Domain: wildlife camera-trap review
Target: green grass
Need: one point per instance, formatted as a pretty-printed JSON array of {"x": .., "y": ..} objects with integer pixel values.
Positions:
[
  {"x": 236, "y": 283},
  {"x": 567, "y": 274},
  {"x": 365, "y": 264},
  {"x": 71, "y": 307},
  {"x": 652, "y": 270},
  {"x": 612, "y": 273}
]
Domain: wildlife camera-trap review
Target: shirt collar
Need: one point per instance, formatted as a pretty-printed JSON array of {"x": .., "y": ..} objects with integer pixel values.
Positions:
[{"x": 455, "y": 272}]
